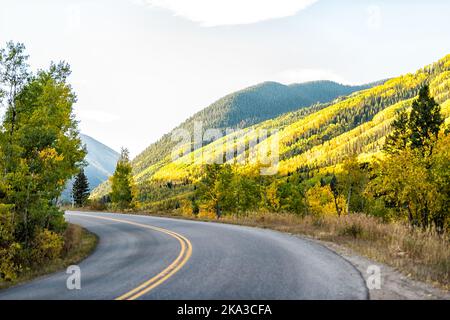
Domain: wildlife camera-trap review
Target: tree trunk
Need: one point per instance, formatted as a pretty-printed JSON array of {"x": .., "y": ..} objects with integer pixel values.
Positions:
[
  {"x": 25, "y": 218},
  {"x": 425, "y": 216},
  {"x": 12, "y": 105},
  {"x": 410, "y": 216},
  {"x": 348, "y": 199},
  {"x": 218, "y": 214},
  {"x": 337, "y": 206}
]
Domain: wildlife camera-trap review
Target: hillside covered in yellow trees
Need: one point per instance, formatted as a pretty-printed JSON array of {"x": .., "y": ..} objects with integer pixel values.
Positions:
[
  {"x": 331, "y": 158},
  {"x": 324, "y": 135}
]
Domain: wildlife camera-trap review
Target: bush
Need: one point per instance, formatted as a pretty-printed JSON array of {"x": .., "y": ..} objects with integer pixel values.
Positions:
[
  {"x": 47, "y": 245},
  {"x": 8, "y": 266},
  {"x": 206, "y": 212},
  {"x": 9, "y": 249}
]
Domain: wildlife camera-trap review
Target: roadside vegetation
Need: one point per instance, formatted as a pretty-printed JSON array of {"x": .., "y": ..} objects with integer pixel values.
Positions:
[
  {"x": 122, "y": 193},
  {"x": 40, "y": 150},
  {"x": 78, "y": 244},
  {"x": 393, "y": 209},
  {"x": 408, "y": 182}
]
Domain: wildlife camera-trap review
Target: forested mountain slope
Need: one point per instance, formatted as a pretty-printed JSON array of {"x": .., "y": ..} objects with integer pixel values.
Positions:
[
  {"x": 243, "y": 109},
  {"x": 323, "y": 135}
]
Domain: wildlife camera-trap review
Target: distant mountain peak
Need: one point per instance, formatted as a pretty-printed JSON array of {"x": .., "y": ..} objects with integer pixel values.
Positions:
[{"x": 101, "y": 161}]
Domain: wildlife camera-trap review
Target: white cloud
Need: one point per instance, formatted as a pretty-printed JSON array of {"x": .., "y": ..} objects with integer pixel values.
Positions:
[
  {"x": 305, "y": 75},
  {"x": 211, "y": 13}
]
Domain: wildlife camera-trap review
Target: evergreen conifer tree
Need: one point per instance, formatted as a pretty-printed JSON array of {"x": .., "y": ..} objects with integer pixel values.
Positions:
[{"x": 80, "y": 189}]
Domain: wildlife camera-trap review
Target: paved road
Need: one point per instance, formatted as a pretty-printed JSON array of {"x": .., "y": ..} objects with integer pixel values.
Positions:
[{"x": 140, "y": 257}]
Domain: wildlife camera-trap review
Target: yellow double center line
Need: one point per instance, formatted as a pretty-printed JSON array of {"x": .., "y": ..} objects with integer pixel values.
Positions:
[{"x": 177, "y": 264}]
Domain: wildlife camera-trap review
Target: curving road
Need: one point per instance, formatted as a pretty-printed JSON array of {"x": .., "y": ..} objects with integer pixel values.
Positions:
[{"x": 141, "y": 257}]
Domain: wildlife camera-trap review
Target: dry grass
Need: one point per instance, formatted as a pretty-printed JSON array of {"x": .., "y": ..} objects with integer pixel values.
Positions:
[{"x": 78, "y": 243}]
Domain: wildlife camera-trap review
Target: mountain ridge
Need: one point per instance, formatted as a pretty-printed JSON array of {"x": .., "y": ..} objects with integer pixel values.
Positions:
[
  {"x": 356, "y": 124},
  {"x": 246, "y": 107},
  {"x": 242, "y": 109}
]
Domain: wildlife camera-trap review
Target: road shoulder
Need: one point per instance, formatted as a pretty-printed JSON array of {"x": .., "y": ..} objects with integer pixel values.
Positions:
[{"x": 394, "y": 285}]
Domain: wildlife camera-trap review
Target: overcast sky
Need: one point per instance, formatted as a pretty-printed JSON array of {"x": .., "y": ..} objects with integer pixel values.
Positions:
[{"x": 140, "y": 67}]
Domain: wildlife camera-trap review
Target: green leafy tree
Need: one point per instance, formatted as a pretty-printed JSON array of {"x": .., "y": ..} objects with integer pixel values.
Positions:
[
  {"x": 412, "y": 179},
  {"x": 44, "y": 149},
  {"x": 440, "y": 176},
  {"x": 40, "y": 151},
  {"x": 405, "y": 183},
  {"x": 122, "y": 193},
  {"x": 291, "y": 193},
  {"x": 353, "y": 180},
  {"x": 80, "y": 189},
  {"x": 246, "y": 193},
  {"x": 215, "y": 188},
  {"x": 14, "y": 75}
]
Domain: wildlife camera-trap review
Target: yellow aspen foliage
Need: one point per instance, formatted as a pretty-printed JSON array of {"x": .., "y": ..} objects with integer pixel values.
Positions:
[
  {"x": 207, "y": 212},
  {"x": 273, "y": 199},
  {"x": 186, "y": 209},
  {"x": 321, "y": 201},
  {"x": 47, "y": 245}
]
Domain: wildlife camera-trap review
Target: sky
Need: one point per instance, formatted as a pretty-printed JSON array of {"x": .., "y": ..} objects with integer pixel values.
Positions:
[{"x": 141, "y": 67}]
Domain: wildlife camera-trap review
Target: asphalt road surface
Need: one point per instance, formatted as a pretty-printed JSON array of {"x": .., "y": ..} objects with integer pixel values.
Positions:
[{"x": 141, "y": 257}]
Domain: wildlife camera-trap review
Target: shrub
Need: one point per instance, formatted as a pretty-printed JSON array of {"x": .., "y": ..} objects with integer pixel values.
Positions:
[
  {"x": 8, "y": 266},
  {"x": 206, "y": 212},
  {"x": 9, "y": 249},
  {"x": 47, "y": 245}
]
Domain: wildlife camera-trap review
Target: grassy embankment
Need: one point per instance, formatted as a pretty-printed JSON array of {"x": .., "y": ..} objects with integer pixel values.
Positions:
[{"x": 78, "y": 244}]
